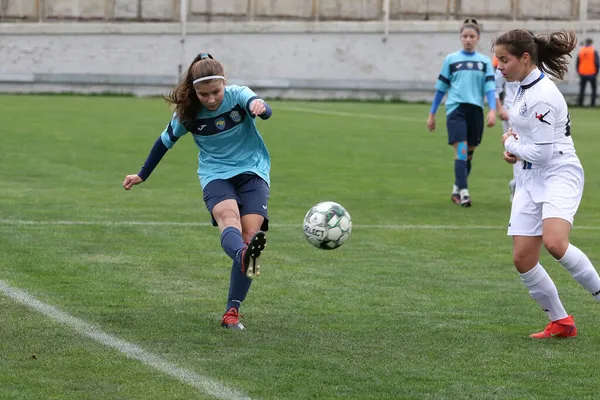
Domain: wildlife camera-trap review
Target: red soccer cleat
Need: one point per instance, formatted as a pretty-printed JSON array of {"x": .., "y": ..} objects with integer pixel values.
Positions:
[
  {"x": 562, "y": 328},
  {"x": 231, "y": 320}
]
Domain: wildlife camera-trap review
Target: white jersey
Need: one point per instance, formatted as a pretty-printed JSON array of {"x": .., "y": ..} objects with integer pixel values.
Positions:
[
  {"x": 509, "y": 89},
  {"x": 540, "y": 117},
  {"x": 550, "y": 185}
]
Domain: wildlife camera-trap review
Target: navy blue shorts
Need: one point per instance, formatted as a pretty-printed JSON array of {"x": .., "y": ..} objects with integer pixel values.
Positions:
[
  {"x": 465, "y": 124},
  {"x": 249, "y": 190}
]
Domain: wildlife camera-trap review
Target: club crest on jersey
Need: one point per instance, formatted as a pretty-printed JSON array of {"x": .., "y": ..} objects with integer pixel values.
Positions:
[
  {"x": 480, "y": 66},
  {"x": 235, "y": 116},
  {"x": 470, "y": 65},
  {"x": 220, "y": 123},
  {"x": 523, "y": 110}
]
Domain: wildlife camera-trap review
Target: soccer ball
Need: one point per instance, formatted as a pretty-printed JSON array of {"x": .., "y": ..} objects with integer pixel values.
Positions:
[{"x": 327, "y": 225}]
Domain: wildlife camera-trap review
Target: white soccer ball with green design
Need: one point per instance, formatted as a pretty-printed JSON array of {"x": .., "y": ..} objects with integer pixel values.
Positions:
[{"x": 327, "y": 225}]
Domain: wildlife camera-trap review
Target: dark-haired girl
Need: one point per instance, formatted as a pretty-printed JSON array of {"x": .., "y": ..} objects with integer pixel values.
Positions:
[{"x": 233, "y": 166}]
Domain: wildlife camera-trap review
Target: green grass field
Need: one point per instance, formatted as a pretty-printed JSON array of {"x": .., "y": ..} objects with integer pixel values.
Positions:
[{"x": 119, "y": 294}]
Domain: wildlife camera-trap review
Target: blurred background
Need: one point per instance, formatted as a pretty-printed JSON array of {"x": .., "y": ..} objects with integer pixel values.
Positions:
[{"x": 362, "y": 49}]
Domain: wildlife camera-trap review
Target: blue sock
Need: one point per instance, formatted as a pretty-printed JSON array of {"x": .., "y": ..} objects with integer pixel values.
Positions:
[
  {"x": 460, "y": 173},
  {"x": 239, "y": 284},
  {"x": 470, "y": 154},
  {"x": 232, "y": 242}
]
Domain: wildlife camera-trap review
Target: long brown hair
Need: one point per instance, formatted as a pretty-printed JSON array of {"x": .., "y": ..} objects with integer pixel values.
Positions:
[
  {"x": 183, "y": 97},
  {"x": 549, "y": 51}
]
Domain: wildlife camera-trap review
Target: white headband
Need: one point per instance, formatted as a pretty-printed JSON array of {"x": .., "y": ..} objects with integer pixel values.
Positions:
[{"x": 206, "y": 78}]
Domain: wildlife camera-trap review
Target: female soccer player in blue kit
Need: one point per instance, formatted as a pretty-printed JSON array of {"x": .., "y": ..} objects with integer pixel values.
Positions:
[
  {"x": 467, "y": 76},
  {"x": 233, "y": 166}
]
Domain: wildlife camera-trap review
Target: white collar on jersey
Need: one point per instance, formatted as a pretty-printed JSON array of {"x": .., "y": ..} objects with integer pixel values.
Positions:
[{"x": 532, "y": 77}]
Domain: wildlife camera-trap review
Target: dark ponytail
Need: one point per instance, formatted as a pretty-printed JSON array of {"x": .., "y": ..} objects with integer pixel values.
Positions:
[
  {"x": 549, "y": 52},
  {"x": 553, "y": 51}
]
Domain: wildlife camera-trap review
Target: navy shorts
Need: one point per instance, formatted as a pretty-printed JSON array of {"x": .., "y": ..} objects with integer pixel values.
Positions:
[
  {"x": 465, "y": 124},
  {"x": 249, "y": 190}
]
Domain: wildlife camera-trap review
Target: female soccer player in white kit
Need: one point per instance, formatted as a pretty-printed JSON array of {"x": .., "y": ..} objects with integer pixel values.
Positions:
[{"x": 550, "y": 184}]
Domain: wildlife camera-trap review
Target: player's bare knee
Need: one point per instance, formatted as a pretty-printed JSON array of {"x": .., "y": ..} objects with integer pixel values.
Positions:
[
  {"x": 228, "y": 217},
  {"x": 556, "y": 246},
  {"x": 251, "y": 223},
  {"x": 524, "y": 261}
]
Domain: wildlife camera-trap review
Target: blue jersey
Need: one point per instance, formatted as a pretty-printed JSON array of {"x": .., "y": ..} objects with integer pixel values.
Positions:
[
  {"x": 228, "y": 141},
  {"x": 467, "y": 77}
]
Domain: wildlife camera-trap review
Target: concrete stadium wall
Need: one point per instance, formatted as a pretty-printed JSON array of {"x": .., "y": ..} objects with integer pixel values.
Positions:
[
  {"x": 293, "y": 9},
  {"x": 286, "y": 58}
]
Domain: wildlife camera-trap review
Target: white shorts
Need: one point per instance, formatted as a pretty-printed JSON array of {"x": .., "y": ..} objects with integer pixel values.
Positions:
[{"x": 553, "y": 191}]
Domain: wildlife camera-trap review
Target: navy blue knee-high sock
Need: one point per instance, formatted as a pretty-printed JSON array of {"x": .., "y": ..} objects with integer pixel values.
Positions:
[
  {"x": 239, "y": 284},
  {"x": 232, "y": 242},
  {"x": 470, "y": 154},
  {"x": 460, "y": 173}
]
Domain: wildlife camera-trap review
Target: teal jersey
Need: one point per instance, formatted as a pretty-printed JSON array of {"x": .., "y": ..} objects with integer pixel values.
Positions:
[
  {"x": 228, "y": 141},
  {"x": 467, "y": 77}
]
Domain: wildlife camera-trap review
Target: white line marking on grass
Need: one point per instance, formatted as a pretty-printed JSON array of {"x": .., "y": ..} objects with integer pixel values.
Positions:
[
  {"x": 349, "y": 114},
  {"x": 101, "y": 223},
  {"x": 203, "y": 383},
  {"x": 17, "y": 222}
]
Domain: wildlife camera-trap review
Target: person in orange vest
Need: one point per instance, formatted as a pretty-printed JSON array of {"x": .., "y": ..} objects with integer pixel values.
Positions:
[{"x": 588, "y": 65}]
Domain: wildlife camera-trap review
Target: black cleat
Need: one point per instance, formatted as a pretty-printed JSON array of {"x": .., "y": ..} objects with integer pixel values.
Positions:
[
  {"x": 465, "y": 201},
  {"x": 251, "y": 254}
]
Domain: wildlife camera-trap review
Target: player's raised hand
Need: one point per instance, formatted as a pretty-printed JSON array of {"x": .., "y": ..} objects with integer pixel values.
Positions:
[
  {"x": 491, "y": 118},
  {"x": 431, "y": 122},
  {"x": 257, "y": 107},
  {"x": 131, "y": 180}
]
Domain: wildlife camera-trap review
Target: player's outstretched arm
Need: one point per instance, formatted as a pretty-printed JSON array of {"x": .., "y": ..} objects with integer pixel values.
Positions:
[{"x": 156, "y": 154}]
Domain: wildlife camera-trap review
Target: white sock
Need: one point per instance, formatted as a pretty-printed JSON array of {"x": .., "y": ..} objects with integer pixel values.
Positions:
[
  {"x": 543, "y": 291},
  {"x": 582, "y": 270},
  {"x": 454, "y": 189}
]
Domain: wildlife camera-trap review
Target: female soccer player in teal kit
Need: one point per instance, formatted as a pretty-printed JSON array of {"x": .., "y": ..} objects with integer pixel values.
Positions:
[
  {"x": 467, "y": 76},
  {"x": 233, "y": 166}
]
